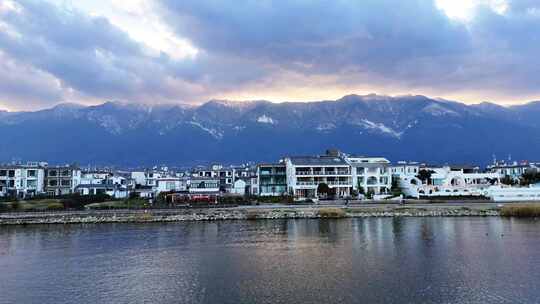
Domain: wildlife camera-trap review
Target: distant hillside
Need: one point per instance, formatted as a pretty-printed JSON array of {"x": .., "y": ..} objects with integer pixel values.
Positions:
[{"x": 400, "y": 128}]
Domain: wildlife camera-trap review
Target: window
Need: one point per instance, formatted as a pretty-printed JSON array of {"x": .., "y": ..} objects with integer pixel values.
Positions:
[
  {"x": 53, "y": 173},
  {"x": 3, "y": 172},
  {"x": 66, "y": 183},
  {"x": 31, "y": 184},
  {"x": 53, "y": 183},
  {"x": 11, "y": 173},
  {"x": 66, "y": 173},
  {"x": 31, "y": 173}
]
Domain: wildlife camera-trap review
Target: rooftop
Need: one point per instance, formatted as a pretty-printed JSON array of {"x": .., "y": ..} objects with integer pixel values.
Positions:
[{"x": 317, "y": 161}]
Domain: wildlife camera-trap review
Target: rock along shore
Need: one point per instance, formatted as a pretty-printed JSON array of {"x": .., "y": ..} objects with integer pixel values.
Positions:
[{"x": 179, "y": 215}]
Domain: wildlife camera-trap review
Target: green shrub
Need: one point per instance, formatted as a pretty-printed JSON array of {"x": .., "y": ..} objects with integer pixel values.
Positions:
[
  {"x": 15, "y": 206},
  {"x": 55, "y": 206},
  {"x": 77, "y": 201},
  {"x": 4, "y": 207}
]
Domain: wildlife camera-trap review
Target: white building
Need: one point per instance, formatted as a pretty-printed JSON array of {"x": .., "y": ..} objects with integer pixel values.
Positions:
[
  {"x": 514, "y": 194},
  {"x": 448, "y": 181},
  {"x": 115, "y": 191},
  {"x": 203, "y": 185},
  {"x": 94, "y": 177},
  {"x": 22, "y": 180},
  {"x": 139, "y": 177},
  {"x": 403, "y": 168},
  {"x": 370, "y": 174},
  {"x": 62, "y": 180},
  {"x": 171, "y": 184},
  {"x": 225, "y": 175},
  {"x": 239, "y": 187},
  {"x": 513, "y": 170},
  {"x": 306, "y": 173}
]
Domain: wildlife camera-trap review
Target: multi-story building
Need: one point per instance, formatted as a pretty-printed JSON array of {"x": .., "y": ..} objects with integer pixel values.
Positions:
[
  {"x": 513, "y": 170},
  {"x": 203, "y": 185},
  {"x": 370, "y": 174},
  {"x": 171, "y": 184},
  {"x": 61, "y": 180},
  {"x": 22, "y": 180},
  {"x": 306, "y": 173},
  {"x": 271, "y": 179},
  {"x": 225, "y": 175},
  {"x": 403, "y": 168},
  {"x": 448, "y": 181}
]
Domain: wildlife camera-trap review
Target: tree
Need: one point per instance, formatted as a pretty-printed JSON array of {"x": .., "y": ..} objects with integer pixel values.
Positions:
[
  {"x": 396, "y": 189},
  {"x": 530, "y": 177},
  {"x": 323, "y": 189},
  {"x": 370, "y": 194},
  {"x": 507, "y": 180},
  {"x": 425, "y": 175}
]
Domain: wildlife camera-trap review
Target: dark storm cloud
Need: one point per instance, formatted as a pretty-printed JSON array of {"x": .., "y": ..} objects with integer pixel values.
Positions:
[
  {"x": 405, "y": 43},
  {"x": 319, "y": 35},
  {"x": 49, "y": 50},
  {"x": 87, "y": 54}
]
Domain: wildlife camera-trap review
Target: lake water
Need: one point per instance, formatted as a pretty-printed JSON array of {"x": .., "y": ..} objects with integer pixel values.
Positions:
[{"x": 375, "y": 260}]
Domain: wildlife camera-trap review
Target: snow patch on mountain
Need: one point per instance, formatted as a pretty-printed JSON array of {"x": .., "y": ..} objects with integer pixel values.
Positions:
[
  {"x": 370, "y": 125},
  {"x": 266, "y": 120},
  {"x": 214, "y": 132},
  {"x": 326, "y": 127},
  {"x": 109, "y": 123},
  {"x": 438, "y": 110}
]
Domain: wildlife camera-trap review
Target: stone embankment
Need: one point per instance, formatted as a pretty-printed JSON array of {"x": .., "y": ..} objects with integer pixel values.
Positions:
[{"x": 144, "y": 216}]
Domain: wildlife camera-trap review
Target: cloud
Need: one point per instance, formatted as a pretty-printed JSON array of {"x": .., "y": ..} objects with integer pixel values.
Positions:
[
  {"x": 245, "y": 48},
  {"x": 89, "y": 55},
  {"x": 408, "y": 45},
  {"x": 23, "y": 86}
]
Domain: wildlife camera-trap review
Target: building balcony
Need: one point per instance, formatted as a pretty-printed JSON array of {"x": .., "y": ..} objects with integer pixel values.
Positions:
[
  {"x": 339, "y": 183},
  {"x": 322, "y": 173}
]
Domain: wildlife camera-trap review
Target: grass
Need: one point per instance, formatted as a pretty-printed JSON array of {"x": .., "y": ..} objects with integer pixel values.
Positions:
[
  {"x": 528, "y": 210},
  {"x": 332, "y": 213},
  {"x": 125, "y": 204},
  {"x": 33, "y": 205}
]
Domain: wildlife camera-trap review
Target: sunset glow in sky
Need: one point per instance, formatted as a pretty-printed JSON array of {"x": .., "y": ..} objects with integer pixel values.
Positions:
[{"x": 190, "y": 51}]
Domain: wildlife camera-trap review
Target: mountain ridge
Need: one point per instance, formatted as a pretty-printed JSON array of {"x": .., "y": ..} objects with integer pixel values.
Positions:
[{"x": 410, "y": 127}]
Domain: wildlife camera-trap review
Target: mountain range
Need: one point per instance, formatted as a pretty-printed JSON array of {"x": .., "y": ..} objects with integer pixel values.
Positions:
[{"x": 399, "y": 128}]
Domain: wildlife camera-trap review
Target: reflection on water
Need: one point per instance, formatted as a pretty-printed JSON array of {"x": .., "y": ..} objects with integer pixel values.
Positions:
[{"x": 376, "y": 260}]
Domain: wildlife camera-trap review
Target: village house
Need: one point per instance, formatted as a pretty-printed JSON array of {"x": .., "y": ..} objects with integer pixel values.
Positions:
[
  {"x": 514, "y": 170},
  {"x": 370, "y": 175},
  {"x": 445, "y": 181},
  {"x": 61, "y": 180},
  {"x": 225, "y": 176},
  {"x": 171, "y": 184},
  {"x": 203, "y": 185},
  {"x": 403, "y": 168},
  {"x": 306, "y": 173},
  {"x": 113, "y": 190},
  {"x": 22, "y": 181},
  {"x": 271, "y": 180}
]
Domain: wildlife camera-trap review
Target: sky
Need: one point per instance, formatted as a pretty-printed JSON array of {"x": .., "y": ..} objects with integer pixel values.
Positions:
[{"x": 191, "y": 51}]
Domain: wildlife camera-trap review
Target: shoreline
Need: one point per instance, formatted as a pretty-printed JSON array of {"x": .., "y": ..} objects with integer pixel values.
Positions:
[{"x": 243, "y": 213}]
